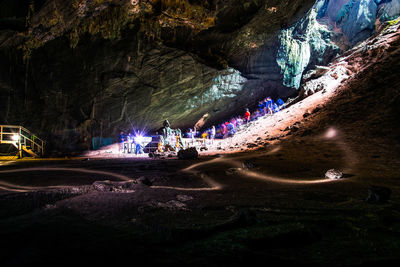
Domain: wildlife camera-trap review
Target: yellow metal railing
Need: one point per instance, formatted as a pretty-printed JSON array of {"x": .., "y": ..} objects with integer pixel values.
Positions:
[{"x": 21, "y": 138}]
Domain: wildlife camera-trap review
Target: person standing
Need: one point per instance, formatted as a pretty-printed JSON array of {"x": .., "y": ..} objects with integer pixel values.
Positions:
[
  {"x": 261, "y": 107},
  {"x": 231, "y": 129},
  {"x": 246, "y": 116},
  {"x": 193, "y": 135},
  {"x": 121, "y": 141},
  {"x": 269, "y": 105},
  {"x": 212, "y": 134},
  {"x": 275, "y": 108},
  {"x": 223, "y": 130}
]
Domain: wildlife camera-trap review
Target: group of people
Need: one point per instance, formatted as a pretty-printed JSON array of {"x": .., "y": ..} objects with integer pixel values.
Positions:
[
  {"x": 268, "y": 106},
  {"x": 167, "y": 140},
  {"x": 130, "y": 143},
  {"x": 229, "y": 128},
  {"x": 171, "y": 139}
]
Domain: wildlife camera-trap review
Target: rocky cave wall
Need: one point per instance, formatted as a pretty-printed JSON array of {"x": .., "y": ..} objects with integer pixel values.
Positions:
[
  {"x": 330, "y": 28},
  {"x": 85, "y": 68}
]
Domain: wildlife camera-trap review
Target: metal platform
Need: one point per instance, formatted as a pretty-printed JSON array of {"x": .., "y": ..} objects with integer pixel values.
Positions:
[{"x": 22, "y": 139}]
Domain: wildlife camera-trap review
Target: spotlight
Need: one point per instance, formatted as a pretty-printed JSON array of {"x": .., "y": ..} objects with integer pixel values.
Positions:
[
  {"x": 15, "y": 137},
  {"x": 138, "y": 139}
]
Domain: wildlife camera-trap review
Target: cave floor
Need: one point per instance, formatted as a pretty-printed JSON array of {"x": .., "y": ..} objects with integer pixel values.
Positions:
[{"x": 270, "y": 205}]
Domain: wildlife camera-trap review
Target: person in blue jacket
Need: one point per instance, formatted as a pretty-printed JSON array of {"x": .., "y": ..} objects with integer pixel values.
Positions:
[
  {"x": 269, "y": 105},
  {"x": 280, "y": 103},
  {"x": 231, "y": 129},
  {"x": 275, "y": 108},
  {"x": 138, "y": 143},
  {"x": 122, "y": 139},
  {"x": 261, "y": 107}
]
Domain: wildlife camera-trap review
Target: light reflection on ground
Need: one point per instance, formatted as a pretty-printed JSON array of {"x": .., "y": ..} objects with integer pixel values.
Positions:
[
  {"x": 236, "y": 163},
  {"x": 16, "y": 188}
]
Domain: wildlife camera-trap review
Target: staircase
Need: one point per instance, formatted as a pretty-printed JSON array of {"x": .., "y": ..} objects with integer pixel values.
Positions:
[{"x": 22, "y": 139}]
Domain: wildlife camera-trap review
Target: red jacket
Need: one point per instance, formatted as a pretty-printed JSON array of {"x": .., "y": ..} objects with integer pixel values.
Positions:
[{"x": 247, "y": 115}]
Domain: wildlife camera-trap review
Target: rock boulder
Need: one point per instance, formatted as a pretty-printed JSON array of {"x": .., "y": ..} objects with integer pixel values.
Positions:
[{"x": 189, "y": 153}]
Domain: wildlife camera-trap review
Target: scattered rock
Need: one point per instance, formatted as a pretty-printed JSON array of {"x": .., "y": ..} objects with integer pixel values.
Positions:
[
  {"x": 277, "y": 137},
  {"x": 49, "y": 206},
  {"x": 184, "y": 198},
  {"x": 145, "y": 181},
  {"x": 247, "y": 165},
  {"x": 251, "y": 145},
  {"x": 173, "y": 205},
  {"x": 333, "y": 174},
  {"x": 316, "y": 109},
  {"x": 294, "y": 128},
  {"x": 190, "y": 153},
  {"x": 118, "y": 187},
  {"x": 378, "y": 194},
  {"x": 232, "y": 171},
  {"x": 307, "y": 114}
]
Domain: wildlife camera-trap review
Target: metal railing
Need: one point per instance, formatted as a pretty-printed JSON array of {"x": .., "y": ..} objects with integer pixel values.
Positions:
[{"x": 21, "y": 138}]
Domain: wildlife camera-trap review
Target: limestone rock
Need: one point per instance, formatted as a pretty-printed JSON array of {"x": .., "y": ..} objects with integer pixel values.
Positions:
[
  {"x": 333, "y": 174},
  {"x": 247, "y": 165},
  {"x": 358, "y": 19},
  {"x": 116, "y": 187},
  {"x": 306, "y": 42},
  {"x": 173, "y": 205},
  {"x": 145, "y": 181},
  {"x": 189, "y": 153},
  {"x": 233, "y": 171},
  {"x": 184, "y": 198}
]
